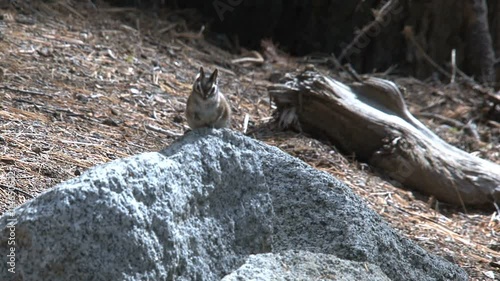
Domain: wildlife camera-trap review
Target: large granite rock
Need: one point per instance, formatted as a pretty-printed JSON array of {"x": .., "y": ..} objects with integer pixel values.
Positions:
[
  {"x": 303, "y": 265},
  {"x": 214, "y": 205}
]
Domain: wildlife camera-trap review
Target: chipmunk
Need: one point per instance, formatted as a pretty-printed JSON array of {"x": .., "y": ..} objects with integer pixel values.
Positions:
[{"x": 206, "y": 106}]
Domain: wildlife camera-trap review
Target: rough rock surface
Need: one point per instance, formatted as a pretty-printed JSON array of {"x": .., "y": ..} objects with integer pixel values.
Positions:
[
  {"x": 302, "y": 265},
  {"x": 213, "y": 204}
]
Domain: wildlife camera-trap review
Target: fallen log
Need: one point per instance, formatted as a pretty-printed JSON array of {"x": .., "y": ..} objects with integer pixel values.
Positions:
[{"x": 370, "y": 120}]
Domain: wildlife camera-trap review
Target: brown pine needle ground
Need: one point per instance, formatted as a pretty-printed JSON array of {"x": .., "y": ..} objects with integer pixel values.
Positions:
[{"x": 84, "y": 86}]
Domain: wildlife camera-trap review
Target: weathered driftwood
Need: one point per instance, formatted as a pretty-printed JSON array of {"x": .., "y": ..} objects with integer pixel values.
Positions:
[{"x": 371, "y": 120}]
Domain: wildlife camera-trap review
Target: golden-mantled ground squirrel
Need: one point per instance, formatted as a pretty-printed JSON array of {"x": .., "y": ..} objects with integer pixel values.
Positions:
[{"x": 206, "y": 106}]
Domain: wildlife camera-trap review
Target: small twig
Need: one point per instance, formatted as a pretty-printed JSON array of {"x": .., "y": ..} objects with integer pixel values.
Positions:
[
  {"x": 458, "y": 192},
  {"x": 129, "y": 28},
  {"x": 498, "y": 209},
  {"x": 190, "y": 35},
  {"x": 17, "y": 190},
  {"x": 52, "y": 110},
  {"x": 244, "y": 60},
  {"x": 118, "y": 10},
  {"x": 353, "y": 73},
  {"x": 64, "y": 39},
  {"x": 167, "y": 28},
  {"x": 257, "y": 59},
  {"x": 408, "y": 32},
  {"x": 453, "y": 65},
  {"x": 445, "y": 120},
  {"x": 432, "y": 105},
  {"x": 493, "y": 124},
  {"x": 245, "y": 123},
  {"x": 69, "y": 8},
  {"x": 24, "y": 91},
  {"x": 163, "y": 131},
  {"x": 469, "y": 81},
  {"x": 242, "y": 93},
  {"x": 337, "y": 63},
  {"x": 79, "y": 143},
  {"x": 315, "y": 59},
  {"x": 29, "y": 102},
  {"x": 25, "y": 20},
  {"x": 388, "y": 70},
  {"x": 379, "y": 17}
]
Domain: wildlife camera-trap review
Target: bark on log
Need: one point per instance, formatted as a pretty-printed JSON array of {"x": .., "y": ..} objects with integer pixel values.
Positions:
[{"x": 371, "y": 120}]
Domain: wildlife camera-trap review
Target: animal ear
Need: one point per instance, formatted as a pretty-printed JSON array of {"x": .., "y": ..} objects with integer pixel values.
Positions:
[
  {"x": 200, "y": 75},
  {"x": 213, "y": 77}
]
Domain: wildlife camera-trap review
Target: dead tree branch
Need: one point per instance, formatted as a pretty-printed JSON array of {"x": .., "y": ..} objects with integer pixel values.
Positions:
[{"x": 371, "y": 120}]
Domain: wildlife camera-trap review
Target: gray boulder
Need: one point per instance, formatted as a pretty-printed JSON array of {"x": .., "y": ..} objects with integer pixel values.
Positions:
[
  {"x": 303, "y": 265},
  {"x": 213, "y": 205}
]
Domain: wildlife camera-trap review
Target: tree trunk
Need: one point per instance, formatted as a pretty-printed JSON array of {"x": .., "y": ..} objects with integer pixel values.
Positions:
[
  {"x": 370, "y": 119},
  {"x": 480, "y": 56},
  {"x": 494, "y": 23}
]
